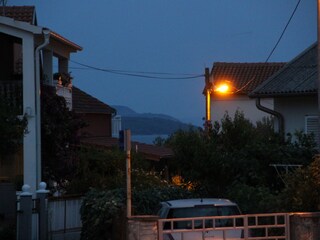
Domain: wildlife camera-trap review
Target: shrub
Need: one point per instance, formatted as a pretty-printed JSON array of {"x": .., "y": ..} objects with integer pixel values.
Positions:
[{"x": 101, "y": 210}]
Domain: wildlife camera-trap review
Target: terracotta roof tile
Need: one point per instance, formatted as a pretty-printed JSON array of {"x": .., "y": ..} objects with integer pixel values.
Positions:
[
  {"x": 19, "y": 13},
  {"x": 150, "y": 152},
  {"x": 298, "y": 77},
  {"x": 85, "y": 103},
  {"x": 244, "y": 77}
]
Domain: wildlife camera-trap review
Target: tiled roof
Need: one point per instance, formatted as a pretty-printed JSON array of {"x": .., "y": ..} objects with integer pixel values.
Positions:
[
  {"x": 244, "y": 77},
  {"x": 19, "y": 13},
  {"x": 150, "y": 152},
  {"x": 85, "y": 103},
  {"x": 298, "y": 77}
]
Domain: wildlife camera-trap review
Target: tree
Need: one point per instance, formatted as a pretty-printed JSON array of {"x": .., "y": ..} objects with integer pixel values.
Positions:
[
  {"x": 302, "y": 190},
  {"x": 236, "y": 154},
  {"x": 59, "y": 128}
]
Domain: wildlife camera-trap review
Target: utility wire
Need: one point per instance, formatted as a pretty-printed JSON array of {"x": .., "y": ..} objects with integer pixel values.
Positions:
[
  {"x": 140, "y": 73},
  {"x": 143, "y": 74},
  {"x": 284, "y": 30}
]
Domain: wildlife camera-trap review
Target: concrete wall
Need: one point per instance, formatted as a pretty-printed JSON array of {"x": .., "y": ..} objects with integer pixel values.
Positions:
[
  {"x": 143, "y": 228},
  {"x": 305, "y": 226}
]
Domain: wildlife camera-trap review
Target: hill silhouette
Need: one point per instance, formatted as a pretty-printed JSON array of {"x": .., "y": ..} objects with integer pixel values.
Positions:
[{"x": 148, "y": 123}]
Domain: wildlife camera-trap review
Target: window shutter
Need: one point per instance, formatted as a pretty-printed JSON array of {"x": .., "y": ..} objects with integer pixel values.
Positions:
[{"x": 312, "y": 126}]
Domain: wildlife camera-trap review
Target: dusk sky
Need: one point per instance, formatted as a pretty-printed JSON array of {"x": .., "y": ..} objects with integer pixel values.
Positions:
[{"x": 171, "y": 36}]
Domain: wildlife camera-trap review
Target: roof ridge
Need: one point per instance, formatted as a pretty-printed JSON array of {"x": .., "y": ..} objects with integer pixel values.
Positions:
[
  {"x": 248, "y": 63},
  {"x": 283, "y": 69}
]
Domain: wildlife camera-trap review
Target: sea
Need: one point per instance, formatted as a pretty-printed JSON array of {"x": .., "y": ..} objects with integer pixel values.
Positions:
[{"x": 148, "y": 139}]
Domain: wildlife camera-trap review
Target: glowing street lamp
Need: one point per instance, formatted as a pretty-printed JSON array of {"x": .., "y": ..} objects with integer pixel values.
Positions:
[{"x": 223, "y": 88}]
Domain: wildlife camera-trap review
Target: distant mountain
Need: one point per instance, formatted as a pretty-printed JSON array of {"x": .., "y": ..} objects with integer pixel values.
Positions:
[
  {"x": 128, "y": 112},
  {"x": 148, "y": 123}
]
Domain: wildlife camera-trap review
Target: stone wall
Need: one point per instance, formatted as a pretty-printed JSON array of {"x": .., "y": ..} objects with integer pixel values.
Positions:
[{"x": 143, "y": 227}]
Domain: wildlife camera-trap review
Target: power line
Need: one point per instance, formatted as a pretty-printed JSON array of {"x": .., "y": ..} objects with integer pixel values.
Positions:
[
  {"x": 141, "y": 74},
  {"x": 284, "y": 30}
]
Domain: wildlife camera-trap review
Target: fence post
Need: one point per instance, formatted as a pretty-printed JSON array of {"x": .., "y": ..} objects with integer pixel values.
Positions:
[
  {"x": 42, "y": 195},
  {"x": 24, "y": 229}
]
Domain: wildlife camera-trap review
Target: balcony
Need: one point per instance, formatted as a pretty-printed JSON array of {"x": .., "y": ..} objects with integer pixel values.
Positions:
[{"x": 11, "y": 91}]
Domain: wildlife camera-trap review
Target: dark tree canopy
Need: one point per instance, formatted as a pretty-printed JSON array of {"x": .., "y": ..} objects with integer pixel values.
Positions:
[
  {"x": 59, "y": 128},
  {"x": 235, "y": 157}
]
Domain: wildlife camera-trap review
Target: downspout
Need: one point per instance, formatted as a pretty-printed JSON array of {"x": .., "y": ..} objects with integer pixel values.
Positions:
[
  {"x": 46, "y": 34},
  {"x": 274, "y": 113}
]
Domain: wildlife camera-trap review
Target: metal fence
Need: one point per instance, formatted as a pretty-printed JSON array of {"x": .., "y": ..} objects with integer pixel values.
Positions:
[
  {"x": 259, "y": 226},
  {"x": 41, "y": 218},
  {"x": 64, "y": 217}
]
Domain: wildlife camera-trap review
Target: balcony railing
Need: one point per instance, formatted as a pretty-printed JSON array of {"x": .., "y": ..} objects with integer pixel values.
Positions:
[{"x": 11, "y": 91}]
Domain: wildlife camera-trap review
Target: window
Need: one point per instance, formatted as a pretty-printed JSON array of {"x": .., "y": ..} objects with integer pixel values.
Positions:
[{"x": 312, "y": 127}]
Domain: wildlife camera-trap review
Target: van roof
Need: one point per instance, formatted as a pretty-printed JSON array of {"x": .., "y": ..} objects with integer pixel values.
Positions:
[{"x": 198, "y": 202}]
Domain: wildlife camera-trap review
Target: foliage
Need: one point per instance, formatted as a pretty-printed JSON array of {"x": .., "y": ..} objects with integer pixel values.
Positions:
[
  {"x": 98, "y": 168},
  {"x": 97, "y": 212},
  {"x": 12, "y": 128},
  {"x": 103, "y": 206},
  {"x": 254, "y": 199},
  {"x": 59, "y": 128},
  {"x": 105, "y": 169},
  {"x": 302, "y": 191},
  {"x": 147, "y": 200},
  {"x": 233, "y": 159},
  {"x": 101, "y": 209}
]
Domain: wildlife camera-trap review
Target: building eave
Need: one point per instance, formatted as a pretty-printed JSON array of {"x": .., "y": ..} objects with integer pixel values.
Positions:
[
  {"x": 19, "y": 25},
  {"x": 75, "y": 47}
]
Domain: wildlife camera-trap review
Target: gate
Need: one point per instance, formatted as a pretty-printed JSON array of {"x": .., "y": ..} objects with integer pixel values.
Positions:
[{"x": 274, "y": 226}]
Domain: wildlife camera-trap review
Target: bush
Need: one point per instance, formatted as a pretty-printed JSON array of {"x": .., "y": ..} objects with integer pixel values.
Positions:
[
  {"x": 254, "y": 199},
  {"x": 302, "y": 191},
  {"x": 102, "y": 210},
  {"x": 98, "y": 210}
]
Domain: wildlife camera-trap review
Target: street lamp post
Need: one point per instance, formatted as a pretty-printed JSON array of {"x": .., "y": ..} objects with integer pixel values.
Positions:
[
  {"x": 207, "y": 124},
  {"x": 222, "y": 87}
]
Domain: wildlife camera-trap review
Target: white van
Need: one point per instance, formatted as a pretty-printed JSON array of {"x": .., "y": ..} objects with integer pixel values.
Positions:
[{"x": 192, "y": 219}]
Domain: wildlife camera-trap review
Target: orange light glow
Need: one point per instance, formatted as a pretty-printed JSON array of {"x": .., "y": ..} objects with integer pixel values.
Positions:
[{"x": 222, "y": 88}]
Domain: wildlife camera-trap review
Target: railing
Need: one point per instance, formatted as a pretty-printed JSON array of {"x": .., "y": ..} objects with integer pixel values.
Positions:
[
  {"x": 259, "y": 226},
  {"x": 12, "y": 91}
]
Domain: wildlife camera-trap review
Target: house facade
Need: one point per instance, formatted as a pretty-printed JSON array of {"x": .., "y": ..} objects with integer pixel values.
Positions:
[
  {"x": 27, "y": 53},
  {"x": 241, "y": 79},
  {"x": 294, "y": 90}
]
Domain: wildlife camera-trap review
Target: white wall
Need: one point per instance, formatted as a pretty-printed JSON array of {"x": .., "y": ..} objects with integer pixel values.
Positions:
[
  {"x": 294, "y": 111},
  {"x": 230, "y": 104},
  {"x": 116, "y": 126}
]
